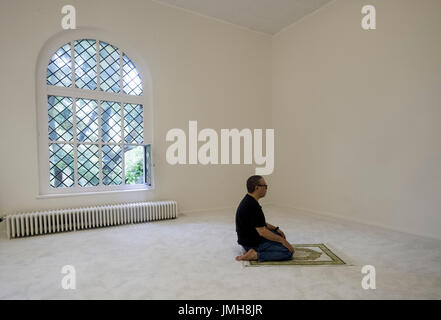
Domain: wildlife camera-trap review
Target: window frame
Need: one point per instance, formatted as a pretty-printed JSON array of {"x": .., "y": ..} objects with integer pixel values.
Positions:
[{"x": 43, "y": 90}]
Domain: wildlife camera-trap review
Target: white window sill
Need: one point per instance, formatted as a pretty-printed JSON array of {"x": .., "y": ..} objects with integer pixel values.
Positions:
[{"x": 91, "y": 193}]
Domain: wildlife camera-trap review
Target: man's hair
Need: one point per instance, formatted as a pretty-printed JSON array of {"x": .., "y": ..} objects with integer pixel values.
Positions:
[{"x": 252, "y": 183}]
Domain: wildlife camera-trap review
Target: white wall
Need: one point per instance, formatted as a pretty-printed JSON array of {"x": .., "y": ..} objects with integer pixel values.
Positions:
[
  {"x": 201, "y": 70},
  {"x": 358, "y": 114}
]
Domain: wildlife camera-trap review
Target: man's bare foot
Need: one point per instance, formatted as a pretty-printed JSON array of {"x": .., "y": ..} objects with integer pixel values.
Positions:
[{"x": 247, "y": 256}]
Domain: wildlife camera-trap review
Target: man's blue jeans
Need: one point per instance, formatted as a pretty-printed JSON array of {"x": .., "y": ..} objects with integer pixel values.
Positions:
[{"x": 269, "y": 250}]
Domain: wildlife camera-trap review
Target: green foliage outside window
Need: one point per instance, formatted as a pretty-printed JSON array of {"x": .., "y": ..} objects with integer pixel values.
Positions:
[{"x": 134, "y": 163}]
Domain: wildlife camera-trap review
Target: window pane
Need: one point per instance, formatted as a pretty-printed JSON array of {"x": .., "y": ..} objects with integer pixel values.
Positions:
[
  {"x": 60, "y": 118},
  {"x": 59, "y": 70},
  {"x": 111, "y": 121},
  {"x": 134, "y": 164},
  {"x": 88, "y": 165},
  {"x": 148, "y": 158},
  {"x": 109, "y": 68},
  {"x": 133, "y": 123},
  {"x": 61, "y": 165},
  {"x": 112, "y": 165},
  {"x": 132, "y": 83},
  {"x": 85, "y": 64},
  {"x": 89, "y": 138},
  {"x": 87, "y": 120}
]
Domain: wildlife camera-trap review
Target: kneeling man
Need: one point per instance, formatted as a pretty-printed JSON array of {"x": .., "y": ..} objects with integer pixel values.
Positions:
[{"x": 261, "y": 240}]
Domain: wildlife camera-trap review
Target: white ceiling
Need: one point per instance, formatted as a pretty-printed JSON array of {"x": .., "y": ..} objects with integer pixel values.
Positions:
[{"x": 268, "y": 16}]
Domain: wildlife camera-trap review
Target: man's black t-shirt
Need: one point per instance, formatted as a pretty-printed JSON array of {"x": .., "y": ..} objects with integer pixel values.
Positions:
[{"x": 249, "y": 216}]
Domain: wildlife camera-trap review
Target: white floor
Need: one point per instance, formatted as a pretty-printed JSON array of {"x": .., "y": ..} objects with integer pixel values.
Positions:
[{"x": 192, "y": 257}]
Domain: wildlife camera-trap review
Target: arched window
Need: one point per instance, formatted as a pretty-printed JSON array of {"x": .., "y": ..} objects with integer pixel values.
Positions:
[{"x": 94, "y": 121}]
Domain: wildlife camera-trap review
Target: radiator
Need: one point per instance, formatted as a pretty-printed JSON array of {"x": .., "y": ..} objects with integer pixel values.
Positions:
[{"x": 43, "y": 222}]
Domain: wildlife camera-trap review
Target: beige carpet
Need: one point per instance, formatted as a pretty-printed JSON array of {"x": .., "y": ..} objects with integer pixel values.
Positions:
[{"x": 192, "y": 257}]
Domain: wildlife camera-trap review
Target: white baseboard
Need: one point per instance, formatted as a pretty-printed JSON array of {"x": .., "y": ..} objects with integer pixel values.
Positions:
[
  {"x": 234, "y": 207},
  {"x": 361, "y": 221},
  {"x": 205, "y": 210}
]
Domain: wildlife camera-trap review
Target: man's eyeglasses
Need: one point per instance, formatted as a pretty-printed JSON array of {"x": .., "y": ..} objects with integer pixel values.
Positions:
[{"x": 263, "y": 185}]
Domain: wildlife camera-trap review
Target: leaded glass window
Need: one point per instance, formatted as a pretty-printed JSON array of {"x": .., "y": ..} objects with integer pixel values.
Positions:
[{"x": 95, "y": 118}]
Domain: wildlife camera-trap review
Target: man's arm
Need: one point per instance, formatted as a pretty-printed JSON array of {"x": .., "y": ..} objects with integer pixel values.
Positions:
[
  {"x": 270, "y": 226},
  {"x": 267, "y": 234}
]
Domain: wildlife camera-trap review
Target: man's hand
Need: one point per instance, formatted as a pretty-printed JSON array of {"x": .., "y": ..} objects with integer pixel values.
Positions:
[
  {"x": 288, "y": 245},
  {"x": 272, "y": 228},
  {"x": 279, "y": 231},
  {"x": 267, "y": 234}
]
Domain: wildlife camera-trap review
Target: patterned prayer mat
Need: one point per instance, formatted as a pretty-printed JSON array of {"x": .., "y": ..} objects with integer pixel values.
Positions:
[{"x": 305, "y": 255}]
